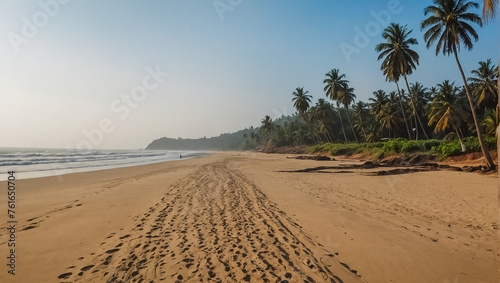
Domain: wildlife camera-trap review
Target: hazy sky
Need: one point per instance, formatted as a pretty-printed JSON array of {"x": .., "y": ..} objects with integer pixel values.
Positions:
[{"x": 93, "y": 73}]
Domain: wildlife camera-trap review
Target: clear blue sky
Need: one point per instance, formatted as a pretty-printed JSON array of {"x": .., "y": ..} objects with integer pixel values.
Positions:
[{"x": 227, "y": 69}]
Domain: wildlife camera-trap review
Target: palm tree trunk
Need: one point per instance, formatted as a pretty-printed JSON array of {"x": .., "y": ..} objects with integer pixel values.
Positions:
[
  {"x": 485, "y": 151},
  {"x": 403, "y": 111},
  {"x": 363, "y": 130},
  {"x": 342, "y": 124},
  {"x": 350, "y": 123},
  {"x": 414, "y": 107}
]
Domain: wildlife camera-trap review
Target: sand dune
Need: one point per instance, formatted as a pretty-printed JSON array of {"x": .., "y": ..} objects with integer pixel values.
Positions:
[{"x": 249, "y": 217}]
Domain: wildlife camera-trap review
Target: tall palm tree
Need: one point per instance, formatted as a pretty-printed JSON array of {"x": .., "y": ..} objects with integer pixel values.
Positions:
[
  {"x": 346, "y": 96},
  {"x": 301, "y": 100},
  {"x": 447, "y": 110},
  {"x": 489, "y": 13},
  {"x": 449, "y": 26},
  {"x": 334, "y": 83},
  {"x": 399, "y": 58},
  {"x": 485, "y": 82}
]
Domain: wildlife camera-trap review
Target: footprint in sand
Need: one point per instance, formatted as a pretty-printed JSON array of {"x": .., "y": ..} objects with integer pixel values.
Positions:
[
  {"x": 87, "y": 267},
  {"x": 65, "y": 275}
]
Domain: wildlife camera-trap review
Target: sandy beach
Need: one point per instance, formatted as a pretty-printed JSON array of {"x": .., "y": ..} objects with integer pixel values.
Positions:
[{"x": 251, "y": 217}]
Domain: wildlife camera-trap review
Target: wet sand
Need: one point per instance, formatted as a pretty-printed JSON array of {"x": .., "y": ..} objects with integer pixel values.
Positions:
[{"x": 236, "y": 217}]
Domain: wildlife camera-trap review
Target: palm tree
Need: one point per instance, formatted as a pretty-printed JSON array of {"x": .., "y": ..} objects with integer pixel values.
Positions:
[
  {"x": 267, "y": 126},
  {"x": 301, "y": 100},
  {"x": 372, "y": 132},
  {"x": 419, "y": 100},
  {"x": 389, "y": 118},
  {"x": 490, "y": 122},
  {"x": 323, "y": 129},
  {"x": 334, "y": 84},
  {"x": 449, "y": 27},
  {"x": 489, "y": 9},
  {"x": 485, "y": 82},
  {"x": 380, "y": 98},
  {"x": 447, "y": 109},
  {"x": 346, "y": 96},
  {"x": 323, "y": 114},
  {"x": 489, "y": 13},
  {"x": 360, "y": 110},
  {"x": 399, "y": 58}
]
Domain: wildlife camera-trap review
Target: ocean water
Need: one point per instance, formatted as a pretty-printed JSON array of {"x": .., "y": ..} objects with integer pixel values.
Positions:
[{"x": 37, "y": 162}]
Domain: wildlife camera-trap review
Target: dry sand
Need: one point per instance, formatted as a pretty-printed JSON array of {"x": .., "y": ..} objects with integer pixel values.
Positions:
[{"x": 236, "y": 217}]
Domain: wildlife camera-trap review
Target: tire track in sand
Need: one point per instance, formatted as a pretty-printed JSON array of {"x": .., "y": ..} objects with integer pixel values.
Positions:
[{"x": 213, "y": 225}]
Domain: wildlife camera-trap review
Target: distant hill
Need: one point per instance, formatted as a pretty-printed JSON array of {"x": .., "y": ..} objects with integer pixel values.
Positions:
[{"x": 228, "y": 141}]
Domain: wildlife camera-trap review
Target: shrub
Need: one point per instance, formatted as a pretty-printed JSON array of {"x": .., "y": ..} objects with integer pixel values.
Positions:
[
  {"x": 395, "y": 144},
  {"x": 472, "y": 144},
  {"x": 429, "y": 144},
  {"x": 451, "y": 148},
  {"x": 402, "y": 145},
  {"x": 491, "y": 142},
  {"x": 412, "y": 146}
]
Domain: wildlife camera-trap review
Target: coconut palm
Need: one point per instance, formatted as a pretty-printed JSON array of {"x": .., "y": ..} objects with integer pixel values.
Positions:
[
  {"x": 399, "y": 59},
  {"x": 373, "y": 132},
  {"x": 267, "y": 126},
  {"x": 448, "y": 24},
  {"x": 346, "y": 97},
  {"x": 490, "y": 122},
  {"x": 485, "y": 84},
  {"x": 380, "y": 98},
  {"x": 301, "y": 100},
  {"x": 323, "y": 129},
  {"x": 360, "y": 111},
  {"x": 389, "y": 117},
  {"x": 393, "y": 97},
  {"x": 448, "y": 110},
  {"x": 334, "y": 83},
  {"x": 324, "y": 114},
  {"x": 420, "y": 95}
]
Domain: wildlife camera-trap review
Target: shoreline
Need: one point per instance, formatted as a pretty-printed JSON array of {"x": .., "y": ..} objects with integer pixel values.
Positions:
[
  {"x": 59, "y": 169},
  {"x": 341, "y": 217}
]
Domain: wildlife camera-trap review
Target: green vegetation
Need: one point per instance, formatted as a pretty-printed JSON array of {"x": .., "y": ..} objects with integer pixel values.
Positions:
[{"x": 403, "y": 146}]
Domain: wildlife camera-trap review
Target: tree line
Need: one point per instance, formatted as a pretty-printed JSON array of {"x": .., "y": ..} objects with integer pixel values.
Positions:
[{"x": 447, "y": 110}]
